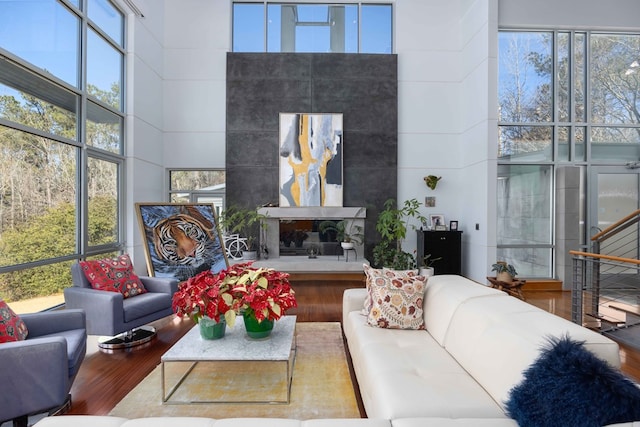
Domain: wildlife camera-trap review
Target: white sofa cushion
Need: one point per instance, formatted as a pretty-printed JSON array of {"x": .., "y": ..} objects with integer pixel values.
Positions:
[
  {"x": 174, "y": 421},
  {"x": 442, "y": 298},
  {"x": 81, "y": 421},
  {"x": 455, "y": 422},
  {"x": 406, "y": 373},
  {"x": 108, "y": 421},
  {"x": 496, "y": 338},
  {"x": 347, "y": 422}
]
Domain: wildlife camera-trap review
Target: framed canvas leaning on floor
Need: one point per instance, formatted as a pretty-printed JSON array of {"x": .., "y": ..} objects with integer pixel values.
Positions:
[{"x": 181, "y": 240}]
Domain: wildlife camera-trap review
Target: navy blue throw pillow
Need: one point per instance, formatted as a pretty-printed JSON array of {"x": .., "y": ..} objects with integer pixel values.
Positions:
[{"x": 569, "y": 386}]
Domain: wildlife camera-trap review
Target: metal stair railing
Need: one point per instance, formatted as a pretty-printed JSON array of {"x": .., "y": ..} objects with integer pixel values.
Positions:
[
  {"x": 619, "y": 239},
  {"x": 604, "y": 294}
]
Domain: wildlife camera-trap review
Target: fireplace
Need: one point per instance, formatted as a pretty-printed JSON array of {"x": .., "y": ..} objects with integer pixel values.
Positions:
[{"x": 280, "y": 221}]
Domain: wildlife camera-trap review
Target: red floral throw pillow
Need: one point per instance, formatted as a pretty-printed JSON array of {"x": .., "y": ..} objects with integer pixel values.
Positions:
[
  {"x": 12, "y": 328},
  {"x": 113, "y": 275}
]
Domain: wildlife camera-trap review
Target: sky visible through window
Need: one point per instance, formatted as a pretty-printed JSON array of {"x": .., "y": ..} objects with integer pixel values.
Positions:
[{"x": 47, "y": 34}]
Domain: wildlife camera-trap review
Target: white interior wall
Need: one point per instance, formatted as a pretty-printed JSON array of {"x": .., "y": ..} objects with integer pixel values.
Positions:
[
  {"x": 144, "y": 175},
  {"x": 444, "y": 125},
  {"x": 447, "y": 117},
  {"x": 477, "y": 178},
  {"x": 573, "y": 14},
  {"x": 429, "y": 76},
  {"x": 197, "y": 38}
]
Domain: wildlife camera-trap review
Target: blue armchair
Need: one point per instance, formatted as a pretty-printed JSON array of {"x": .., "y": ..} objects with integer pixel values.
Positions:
[
  {"x": 37, "y": 373},
  {"x": 110, "y": 314}
]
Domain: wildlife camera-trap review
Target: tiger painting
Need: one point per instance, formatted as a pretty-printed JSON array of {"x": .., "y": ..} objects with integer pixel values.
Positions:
[{"x": 183, "y": 243}]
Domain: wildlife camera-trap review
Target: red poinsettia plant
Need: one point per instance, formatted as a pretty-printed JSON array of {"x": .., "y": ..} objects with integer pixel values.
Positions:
[
  {"x": 263, "y": 292},
  {"x": 205, "y": 295}
]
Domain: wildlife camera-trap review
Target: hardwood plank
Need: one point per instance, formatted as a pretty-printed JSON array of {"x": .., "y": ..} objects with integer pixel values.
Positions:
[{"x": 105, "y": 378}]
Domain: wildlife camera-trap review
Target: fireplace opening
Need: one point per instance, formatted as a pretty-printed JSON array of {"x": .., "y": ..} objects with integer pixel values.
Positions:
[{"x": 303, "y": 237}]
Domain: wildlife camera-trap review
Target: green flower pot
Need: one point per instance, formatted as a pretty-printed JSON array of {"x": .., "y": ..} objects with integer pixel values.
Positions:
[
  {"x": 255, "y": 329},
  {"x": 212, "y": 330}
]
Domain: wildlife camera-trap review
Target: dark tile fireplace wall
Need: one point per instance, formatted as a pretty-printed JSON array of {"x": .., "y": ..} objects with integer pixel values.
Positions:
[{"x": 364, "y": 88}]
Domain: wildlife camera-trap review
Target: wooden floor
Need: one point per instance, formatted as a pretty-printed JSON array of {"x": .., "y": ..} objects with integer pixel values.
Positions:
[{"x": 104, "y": 379}]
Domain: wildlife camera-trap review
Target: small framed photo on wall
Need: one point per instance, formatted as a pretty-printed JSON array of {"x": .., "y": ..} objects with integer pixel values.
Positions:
[{"x": 453, "y": 225}]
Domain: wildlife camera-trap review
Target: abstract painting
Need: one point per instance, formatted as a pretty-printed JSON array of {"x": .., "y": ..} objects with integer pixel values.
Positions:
[
  {"x": 310, "y": 159},
  {"x": 181, "y": 240}
]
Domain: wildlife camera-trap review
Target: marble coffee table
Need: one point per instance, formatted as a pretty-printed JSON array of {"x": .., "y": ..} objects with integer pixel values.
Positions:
[{"x": 233, "y": 369}]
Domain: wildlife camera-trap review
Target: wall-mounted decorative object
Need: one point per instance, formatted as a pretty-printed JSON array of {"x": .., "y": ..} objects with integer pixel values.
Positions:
[
  {"x": 432, "y": 181},
  {"x": 430, "y": 202},
  {"x": 181, "y": 240},
  {"x": 437, "y": 222},
  {"x": 310, "y": 159}
]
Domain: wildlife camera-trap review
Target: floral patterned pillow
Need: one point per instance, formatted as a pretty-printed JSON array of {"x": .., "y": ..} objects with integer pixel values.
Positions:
[
  {"x": 12, "y": 328},
  {"x": 113, "y": 275},
  {"x": 371, "y": 274},
  {"x": 396, "y": 299}
]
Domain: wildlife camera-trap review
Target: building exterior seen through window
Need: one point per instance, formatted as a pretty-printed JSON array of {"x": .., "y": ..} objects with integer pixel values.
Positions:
[
  {"x": 566, "y": 98},
  {"x": 61, "y": 134},
  {"x": 198, "y": 186},
  {"x": 312, "y": 27}
]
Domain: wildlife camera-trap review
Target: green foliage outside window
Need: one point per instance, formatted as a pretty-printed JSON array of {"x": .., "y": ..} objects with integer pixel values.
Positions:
[{"x": 52, "y": 233}]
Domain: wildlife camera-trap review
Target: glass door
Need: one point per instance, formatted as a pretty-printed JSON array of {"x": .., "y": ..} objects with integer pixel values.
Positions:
[{"x": 614, "y": 195}]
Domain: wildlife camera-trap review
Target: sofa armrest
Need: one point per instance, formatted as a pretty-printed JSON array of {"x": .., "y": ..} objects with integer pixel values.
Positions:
[
  {"x": 353, "y": 300},
  {"x": 160, "y": 284},
  {"x": 50, "y": 322},
  {"x": 32, "y": 385}
]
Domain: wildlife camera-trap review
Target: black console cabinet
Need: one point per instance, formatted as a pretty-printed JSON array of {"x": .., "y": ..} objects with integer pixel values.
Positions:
[{"x": 445, "y": 244}]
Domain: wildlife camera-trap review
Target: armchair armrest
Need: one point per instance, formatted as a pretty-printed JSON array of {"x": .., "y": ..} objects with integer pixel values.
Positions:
[
  {"x": 101, "y": 307},
  {"x": 160, "y": 284},
  {"x": 24, "y": 372},
  {"x": 50, "y": 322}
]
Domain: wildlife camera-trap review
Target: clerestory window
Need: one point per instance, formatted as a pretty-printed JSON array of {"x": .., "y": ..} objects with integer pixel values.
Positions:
[{"x": 310, "y": 27}]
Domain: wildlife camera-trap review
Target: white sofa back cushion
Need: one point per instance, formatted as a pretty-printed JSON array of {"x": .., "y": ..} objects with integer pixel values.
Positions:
[
  {"x": 443, "y": 296},
  {"x": 496, "y": 339}
]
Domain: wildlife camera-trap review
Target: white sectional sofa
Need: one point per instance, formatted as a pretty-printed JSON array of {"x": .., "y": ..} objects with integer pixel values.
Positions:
[
  {"x": 458, "y": 372},
  {"x": 477, "y": 344}
]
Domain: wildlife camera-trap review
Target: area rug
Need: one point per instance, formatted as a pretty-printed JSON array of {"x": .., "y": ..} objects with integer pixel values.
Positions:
[{"x": 321, "y": 386}]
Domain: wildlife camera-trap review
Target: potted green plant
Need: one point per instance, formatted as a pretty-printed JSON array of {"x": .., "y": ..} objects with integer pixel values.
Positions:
[
  {"x": 392, "y": 224},
  {"x": 426, "y": 265},
  {"x": 504, "y": 272},
  {"x": 432, "y": 181},
  {"x": 347, "y": 232},
  {"x": 246, "y": 223}
]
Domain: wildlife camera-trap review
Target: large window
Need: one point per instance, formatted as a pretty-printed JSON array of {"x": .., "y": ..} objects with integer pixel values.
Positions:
[
  {"x": 308, "y": 27},
  {"x": 565, "y": 98},
  {"x": 198, "y": 186},
  {"x": 61, "y": 143}
]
